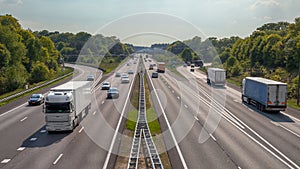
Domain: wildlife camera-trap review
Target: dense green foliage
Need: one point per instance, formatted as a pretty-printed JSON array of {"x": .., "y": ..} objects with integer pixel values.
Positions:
[
  {"x": 272, "y": 51},
  {"x": 22, "y": 55},
  {"x": 87, "y": 49}
]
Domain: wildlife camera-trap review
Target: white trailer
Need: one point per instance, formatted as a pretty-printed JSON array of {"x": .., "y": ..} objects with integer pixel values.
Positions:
[
  {"x": 216, "y": 76},
  {"x": 265, "y": 94},
  {"x": 66, "y": 105}
]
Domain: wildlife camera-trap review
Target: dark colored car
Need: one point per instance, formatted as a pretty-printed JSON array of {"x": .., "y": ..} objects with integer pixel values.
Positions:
[
  {"x": 36, "y": 99},
  {"x": 113, "y": 92},
  {"x": 154, "y": 75}
]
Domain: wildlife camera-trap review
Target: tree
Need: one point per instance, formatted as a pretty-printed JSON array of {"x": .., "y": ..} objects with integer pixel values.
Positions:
[{"x": 39, "y": 72}]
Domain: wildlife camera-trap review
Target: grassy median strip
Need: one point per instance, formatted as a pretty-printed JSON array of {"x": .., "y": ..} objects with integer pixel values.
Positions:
[{"x": 68, "y": 70}]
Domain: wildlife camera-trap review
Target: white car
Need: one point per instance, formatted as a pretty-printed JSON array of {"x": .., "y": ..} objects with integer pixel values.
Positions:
[
  {"x": 130, "y": 71},
  {"x": 125, "y": 78},
  {"x": 90, "y": 78},
  {"x": 105, "y": 86}
]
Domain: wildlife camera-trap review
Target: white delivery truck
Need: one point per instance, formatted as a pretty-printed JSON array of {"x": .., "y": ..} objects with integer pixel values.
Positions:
[
  {"x": 66, "y": 105},
  {"x": 216, "y": 76},
  {"x": 265, "y": 94}
]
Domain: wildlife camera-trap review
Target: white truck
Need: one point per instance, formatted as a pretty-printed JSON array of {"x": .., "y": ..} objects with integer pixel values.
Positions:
[
  {"x": 265, "y": 94},
  {"x": 66, "y": 105},
  {"x": 216, "y": 76}
]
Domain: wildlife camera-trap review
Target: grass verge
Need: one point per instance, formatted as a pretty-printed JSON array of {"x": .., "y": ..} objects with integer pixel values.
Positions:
[
  {"x": 33, "y": 91},
  {"x": 293, "y": 103}
]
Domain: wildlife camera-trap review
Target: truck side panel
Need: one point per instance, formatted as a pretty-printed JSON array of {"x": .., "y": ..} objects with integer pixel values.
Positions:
[
  {"x": 256, "y": 91},
  {"x": 82, "y": 98}
]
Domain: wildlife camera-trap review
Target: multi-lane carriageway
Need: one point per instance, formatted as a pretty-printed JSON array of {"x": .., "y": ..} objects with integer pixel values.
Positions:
[{"x": 188, "y": 110}]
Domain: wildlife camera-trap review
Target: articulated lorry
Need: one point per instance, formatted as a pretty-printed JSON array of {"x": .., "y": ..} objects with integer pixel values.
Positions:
[
  {"x": 161, "y": 67},
  {"x": 216, "y": 76},
  {"x": 265, "y": 94},
  {"x": 66, "y": 105}
]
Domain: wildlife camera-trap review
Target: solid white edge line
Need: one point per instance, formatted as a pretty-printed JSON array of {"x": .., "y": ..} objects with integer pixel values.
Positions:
[
  {"x": 81, "y": 129},
  {"x": 94, "y": 113},
  {"x": 23, "y": 119},
  {"x": 290, "y": 116},
  {"x": 289, "y": 130},
  {"x": 117, "y": 129},
  {"x": 170, "y": 129},
  {"x": 276, "y": 150},
  {"x": 58, "y": 158},
  {"x": 13, "y": 109}
]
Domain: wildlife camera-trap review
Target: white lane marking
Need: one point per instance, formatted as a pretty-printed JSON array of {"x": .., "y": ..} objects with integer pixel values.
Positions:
[
  {"x": 213, "y": 137},
  {"x": 33, "y": 139},
  {"x": 239, "y": 167},
  {"x": 102, "y": 102},
  {"x": 43, "y": 131},
  {"x": 170, "y": 129},
  {"x": 21, "y": 149},
  {"x": 186, "y": 106},
  {"x": 58, "y": 158},
  {"x": 5, "y": 161},
  {"x": 289, "y": 130},
  {"x": 12, "y": 109},
  {"x": 94, "y": 113},
  {"x": 265, "y": 141},
  {"x": 23, "y": 119},
  {"x": 236, "y": 100},
  {"x": 117, "y": 129},
  {"x": 196, "y": 118},
  {"x": 172, "y": 91},
  {"x": 178, "y": 97},
  {"x": 290, "y": 116},
  {"x": 81, "y": 129}
]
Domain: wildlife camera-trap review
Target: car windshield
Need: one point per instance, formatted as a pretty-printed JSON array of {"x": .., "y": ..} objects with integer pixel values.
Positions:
[
  {"x": 35, "y": 96},
  {"x": 105, "y": 83},
  {"x": 113, "y": 90}
]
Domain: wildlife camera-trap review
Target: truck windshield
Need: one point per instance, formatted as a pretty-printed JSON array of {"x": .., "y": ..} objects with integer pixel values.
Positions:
[{"x": 57, "y": 107}]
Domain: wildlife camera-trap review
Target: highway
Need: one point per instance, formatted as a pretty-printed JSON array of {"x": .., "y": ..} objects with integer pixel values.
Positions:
[
  {"x": 243, "y": 138},
  {"x": 26, "y": 144},
  {"x": 203, "y": 127}
]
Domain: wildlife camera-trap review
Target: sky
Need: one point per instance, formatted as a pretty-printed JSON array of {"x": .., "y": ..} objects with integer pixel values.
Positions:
[{"x": 144, "y": 22}]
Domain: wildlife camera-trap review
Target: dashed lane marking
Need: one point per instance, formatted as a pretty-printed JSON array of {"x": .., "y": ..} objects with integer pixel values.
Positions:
[
  {"x": 58, "y": 158},
  {"x": 5, "y": 161},
  {"x": 21, "y": 149},
  {"x": 23, "y": 119}
]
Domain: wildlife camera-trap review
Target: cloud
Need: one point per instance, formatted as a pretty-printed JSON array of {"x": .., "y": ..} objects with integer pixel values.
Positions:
[
  {"x": 267, "y": 3},
  {"x": 268, "y": 18},
  {"x": 11, "y": 2}
]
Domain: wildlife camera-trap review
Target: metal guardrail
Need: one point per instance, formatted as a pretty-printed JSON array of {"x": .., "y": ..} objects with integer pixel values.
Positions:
[
  {"x": 142, "y": 133},
  {"x": 36, "y": 87}
]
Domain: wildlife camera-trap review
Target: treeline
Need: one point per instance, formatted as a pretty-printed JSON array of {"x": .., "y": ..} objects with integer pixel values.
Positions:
[
  {"x": 83, "y": 47},
  {"x": 24, "y": 57},
  {"x": 271, "y": 51}
]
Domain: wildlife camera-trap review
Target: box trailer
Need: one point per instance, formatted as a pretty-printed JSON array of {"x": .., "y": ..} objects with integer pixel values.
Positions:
[
  {"x": 216, "y": 76},
  {"x": 265, "y": 94},
  {"x": 67, "y": 105},
  {"x": 161, "y": 67}
]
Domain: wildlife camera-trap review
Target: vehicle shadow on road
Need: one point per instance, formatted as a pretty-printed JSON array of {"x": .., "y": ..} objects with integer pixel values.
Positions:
[
  {"x": 41, "y": 138},
  {"x": 273, "y": 116}
]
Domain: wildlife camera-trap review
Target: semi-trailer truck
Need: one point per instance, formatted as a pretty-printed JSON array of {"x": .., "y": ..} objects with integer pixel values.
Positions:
[
  {"x": 161, "y": 67},
  {"x": 265, "y": 94},
  {"x": 67, "y": 105},
  {"x": 216, "y": 76}
]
